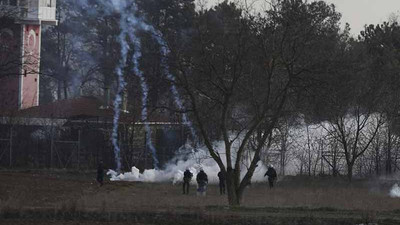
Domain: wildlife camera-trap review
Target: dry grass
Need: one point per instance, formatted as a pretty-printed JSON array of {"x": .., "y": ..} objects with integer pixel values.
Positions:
[
  {"x": 69, "y": 194},
  {"x": 120, "y": 196}
]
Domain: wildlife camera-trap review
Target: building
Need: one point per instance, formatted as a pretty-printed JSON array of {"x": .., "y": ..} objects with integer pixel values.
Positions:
[
  {"x": 73, "y": 133},
  {"x": 20, "y": 41},
  {"x": 76, "y": 134}
]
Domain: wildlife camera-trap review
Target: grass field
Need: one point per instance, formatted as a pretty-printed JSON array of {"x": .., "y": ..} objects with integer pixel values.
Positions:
[{"x": 59, "y": 197}]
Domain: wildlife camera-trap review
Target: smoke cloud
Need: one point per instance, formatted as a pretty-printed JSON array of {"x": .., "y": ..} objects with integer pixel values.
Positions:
[
  {"x": 120, "y": 89},
  {"x": 395, "y": 191},
  {"x": 130, "y": 23},
  {"x": 186, "y": 158}
]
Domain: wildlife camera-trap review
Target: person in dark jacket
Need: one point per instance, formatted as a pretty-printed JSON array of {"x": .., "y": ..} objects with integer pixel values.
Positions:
[
  {"x": 202, "y": 181},
  {"x": 271, "y": 173},
  {"x": 100, "y": 173},
  {"x": 222, "y": 180},
  {"x": 187, "y": 177}
]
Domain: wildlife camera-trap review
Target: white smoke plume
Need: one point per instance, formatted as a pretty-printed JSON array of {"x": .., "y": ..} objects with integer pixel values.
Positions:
[
  {"x": 121, "y": 87},
  {"x": 140, "y": 23},
  {"x": 130, "y": 23},
  {"x": 186, "y": 158},
  {"x": 145, "y": 89},
  {"x": 395, "y": 191},
  {"x": 174, "y": 90}
]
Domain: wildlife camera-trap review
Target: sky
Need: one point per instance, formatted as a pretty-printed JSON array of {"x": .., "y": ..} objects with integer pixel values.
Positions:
[{"x": 356, "y": 12}]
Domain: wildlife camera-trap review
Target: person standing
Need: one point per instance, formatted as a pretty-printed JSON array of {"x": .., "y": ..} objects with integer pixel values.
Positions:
[
  {"x": 187, "y": 177},
  {"x": 100, "y": 173},
  {"x": 271, "y": 173},
  {"x": 222, "y": 180},
  {"x": 202, "y": 181}
]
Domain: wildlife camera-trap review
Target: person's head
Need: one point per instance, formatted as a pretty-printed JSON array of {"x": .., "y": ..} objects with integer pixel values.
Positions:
[{"x": 271, "y": 166}]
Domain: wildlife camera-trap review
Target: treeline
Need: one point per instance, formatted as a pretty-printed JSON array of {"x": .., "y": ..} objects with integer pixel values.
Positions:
[{"x": 248, "y": 77}]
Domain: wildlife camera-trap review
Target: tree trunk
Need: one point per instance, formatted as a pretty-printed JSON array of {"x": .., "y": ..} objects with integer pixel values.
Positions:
[
  {"x": 59, "y": 87},
  {"x": 389, "y": 154},
  {"x": 234, "y": 198},
  {"x": 334, "y": 167},
  {"x": 283, "y": 158},
  {"x": 65, "y": 86},
  {"x": 350, "y": 171},
  {"x": 377, "y": 162}
]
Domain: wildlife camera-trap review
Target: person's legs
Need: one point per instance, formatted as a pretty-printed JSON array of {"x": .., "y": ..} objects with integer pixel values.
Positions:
[
  {"x": 184, "y": 184},
  {"x": 202, "y": 187},
  {"x": 271, "y": 182},
  {"x": 187, "y": 187}
]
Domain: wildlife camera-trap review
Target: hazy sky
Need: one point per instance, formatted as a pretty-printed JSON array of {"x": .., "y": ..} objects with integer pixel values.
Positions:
[{"x": 359, "y": 12}]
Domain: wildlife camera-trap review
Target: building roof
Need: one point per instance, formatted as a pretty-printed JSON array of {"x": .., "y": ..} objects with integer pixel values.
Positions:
[
  {"x": 67, "y": 109},
  {"x": 86, "y": 108}
]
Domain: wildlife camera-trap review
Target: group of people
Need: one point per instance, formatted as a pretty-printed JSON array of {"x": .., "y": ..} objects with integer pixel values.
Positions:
[{"x": 202, "y": 180}]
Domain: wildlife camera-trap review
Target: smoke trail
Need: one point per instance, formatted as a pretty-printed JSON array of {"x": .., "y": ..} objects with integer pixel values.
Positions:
[
  {"x": 174, "y": 90},
  {"x": 145, "y": 91},
  {"x": 139, "y": 21},
  {"x": 120, "y": 89},
  {"x": 129, "y": 20},
  {"x": 110, "y": 7}
]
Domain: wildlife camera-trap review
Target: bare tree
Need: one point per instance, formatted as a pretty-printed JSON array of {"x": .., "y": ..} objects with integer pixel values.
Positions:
[
  {"x": 239, "y": 73},
  {"x": 355, "y": 133},
  {"x": 13, "y": 61}
]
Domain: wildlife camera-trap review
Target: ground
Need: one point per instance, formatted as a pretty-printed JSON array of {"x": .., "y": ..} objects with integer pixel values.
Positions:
[{"x": 61, "y": 197}]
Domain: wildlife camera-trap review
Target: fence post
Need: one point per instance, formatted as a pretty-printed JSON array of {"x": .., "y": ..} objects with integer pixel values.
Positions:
[
  {"x": 79, "y": 147},
  {"x": 51, "y": 147},
  {"x": 11, "y": 145}
]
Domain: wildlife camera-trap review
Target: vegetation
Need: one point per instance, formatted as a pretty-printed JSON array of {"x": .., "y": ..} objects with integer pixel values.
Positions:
[
  {"x": 40, "y": 197},
  {"x": 256, "y": 79}
]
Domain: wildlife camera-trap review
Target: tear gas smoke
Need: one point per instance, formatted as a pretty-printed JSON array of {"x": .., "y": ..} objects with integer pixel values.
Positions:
[
  {"x": 395, "y": 191},
  {"x": 141, "y": 24},
  {"x": 145, "y": 91},
  {"x": 174, "y": 90},
  {"x": 129, "y": 24},
  {"x": 120, "y": 89},
  {"x": 110, "y": 7},
  {"x": 186, "y": 158}
]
